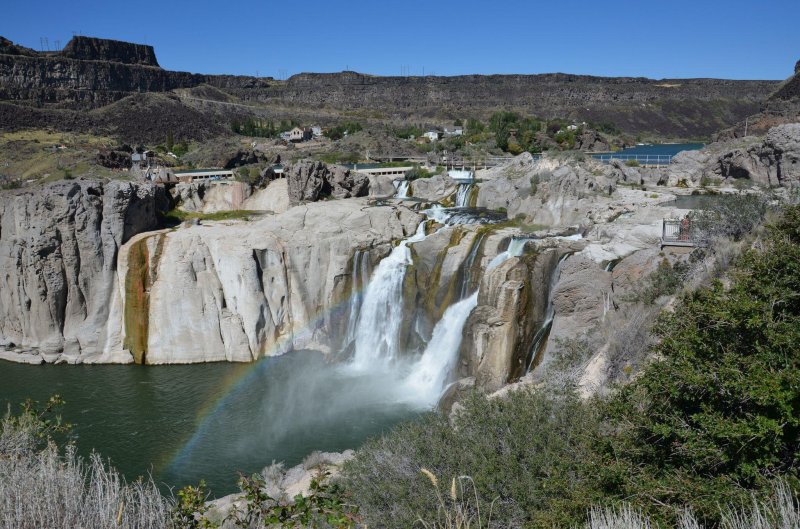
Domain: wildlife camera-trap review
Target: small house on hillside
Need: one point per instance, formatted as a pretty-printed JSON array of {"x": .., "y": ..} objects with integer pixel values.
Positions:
[
  {"x": 298, "y": 134},
  {"x": 433, "y": 135}
]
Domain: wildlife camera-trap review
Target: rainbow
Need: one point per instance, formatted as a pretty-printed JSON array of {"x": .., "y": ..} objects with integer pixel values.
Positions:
[{"x": 245, "y": 373}]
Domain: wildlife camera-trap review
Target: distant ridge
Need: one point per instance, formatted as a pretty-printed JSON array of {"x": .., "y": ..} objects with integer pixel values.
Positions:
[{"x": 91, "y": 73}]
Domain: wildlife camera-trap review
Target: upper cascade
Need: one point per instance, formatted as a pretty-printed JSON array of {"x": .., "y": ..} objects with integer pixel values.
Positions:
[{"x": 94, "y": 49}]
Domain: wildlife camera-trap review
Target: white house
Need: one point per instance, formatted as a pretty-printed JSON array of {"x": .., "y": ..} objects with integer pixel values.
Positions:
[
  {"x": 457, "y": 131},
  {"x": 433, "y": 135},
  {"x": 300, "y": 134}
]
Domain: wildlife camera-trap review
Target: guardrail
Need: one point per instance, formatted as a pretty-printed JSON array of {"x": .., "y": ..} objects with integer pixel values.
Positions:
[
  {"x": 643, "y": 159},
  {"x": 679, "y": 232}
]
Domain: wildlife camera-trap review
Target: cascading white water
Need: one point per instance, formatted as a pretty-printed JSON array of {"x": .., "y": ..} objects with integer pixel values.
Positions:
[
  {"x": 359, "y": 279},
  {"x": 462, "y": 195},
  {"x": 401, "y": 187},
  {"x": 430, "y": 374},
  {"x": 540, "y": 338},
  {"x": 515, "y": 248},
  {"x": 381, "y": 315}
]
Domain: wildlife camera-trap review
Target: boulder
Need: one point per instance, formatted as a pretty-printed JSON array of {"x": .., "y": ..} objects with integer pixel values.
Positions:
[
  {"x": 435, "y": 188},
  {"x": 591, "y": 140},
  {"x": 311, "y": 180}
]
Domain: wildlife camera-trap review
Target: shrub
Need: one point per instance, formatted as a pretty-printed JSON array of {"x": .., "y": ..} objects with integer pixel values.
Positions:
[
  {"x": 731, "y": 216},
  {"x": 532, "y": 472},
  {"x": 632, "y": 163},
  {"x": 40, "y": 487},
  {"x": 340, "y": 131}
]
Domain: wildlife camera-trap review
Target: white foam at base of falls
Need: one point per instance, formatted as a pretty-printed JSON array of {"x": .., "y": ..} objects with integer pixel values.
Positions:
[
  {"x": 381, "y": 315},
  {"x": 429, "y": 376}
]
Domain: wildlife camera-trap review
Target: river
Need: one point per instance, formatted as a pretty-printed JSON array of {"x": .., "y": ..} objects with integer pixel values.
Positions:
[{"x": 184, "y": 423}]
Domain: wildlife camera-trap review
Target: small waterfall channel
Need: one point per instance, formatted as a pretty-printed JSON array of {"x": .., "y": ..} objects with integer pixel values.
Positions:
[
  {"x": 376, "y": 333},
  {"x": 401, "y": 188},
  {"x": 466, "y": 182},
  {"x": 463, "y": 193},
  {"x": 541, "y": 336}
]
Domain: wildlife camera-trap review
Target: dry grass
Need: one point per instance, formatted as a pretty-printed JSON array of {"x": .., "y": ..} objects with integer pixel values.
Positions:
[
  {"x": 42, "y": 488},
  {"x": 780, "y": 510},
  {"x": 460, "y": 508}
]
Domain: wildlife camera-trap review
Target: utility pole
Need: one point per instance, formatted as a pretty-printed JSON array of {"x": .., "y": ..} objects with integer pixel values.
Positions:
[{"x": 745, "y": 126}]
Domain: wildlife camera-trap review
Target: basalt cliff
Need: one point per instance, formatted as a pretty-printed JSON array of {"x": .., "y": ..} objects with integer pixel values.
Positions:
[{"x": 50, "y": 88}]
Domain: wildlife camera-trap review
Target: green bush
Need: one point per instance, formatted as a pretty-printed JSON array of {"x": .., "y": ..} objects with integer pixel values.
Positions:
[
  {"x": 525, "y": 454},
  {"x": 340, "y": 131},
  {"x": 632, "y": 163},
  {"x": 720, "y": 413}
]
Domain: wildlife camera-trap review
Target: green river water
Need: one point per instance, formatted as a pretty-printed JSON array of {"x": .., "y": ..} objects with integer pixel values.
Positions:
[{"x": 184, "y": 423}]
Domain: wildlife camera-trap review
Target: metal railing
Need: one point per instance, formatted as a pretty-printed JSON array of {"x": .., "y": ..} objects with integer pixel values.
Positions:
[
  {"x": 679, "y": 232},
  {"x": 643, "y": 159}
]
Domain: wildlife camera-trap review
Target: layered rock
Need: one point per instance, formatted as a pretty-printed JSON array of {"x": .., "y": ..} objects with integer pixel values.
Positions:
[
  {"x": 549, "y": 191},
  {"x": 94, "y": 49},
  {"x": 58, "y": 257},
  {"x": 311, "y": 180},
  {"x": 771, "y": 161},
  {"x": 238, "y": 291}
]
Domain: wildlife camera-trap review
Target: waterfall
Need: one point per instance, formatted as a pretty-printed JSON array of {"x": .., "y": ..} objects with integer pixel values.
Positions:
[
  {"x": 462, "y": 195},
  {"x": 401, "y": 187},
  {"x": 540, "y": 338},
  {"x": 381, "y": 315},
  {"x": 359, "y": 279},
  {"x": 469, "y": 263},
  {"x": 516, "y": 247},
  {"x": 429, "y": 375}
]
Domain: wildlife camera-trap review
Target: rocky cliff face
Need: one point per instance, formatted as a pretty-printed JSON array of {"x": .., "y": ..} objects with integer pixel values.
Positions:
[
  {"x": 310, "y": 180},
  {"x": 94, "y": 72},
  {"x": 772, "y": 161},
  {"x": 58, "y": 257},
  {"x": 93, "y": 49},
  {"x": 669, "y": 106},
  {"x": 240, "y": 291},
  {"x": 90, "y": 73}
]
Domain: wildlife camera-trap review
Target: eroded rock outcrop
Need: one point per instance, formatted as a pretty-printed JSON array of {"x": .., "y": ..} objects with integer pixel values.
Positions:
[
  {"x": 771, "y": 161},
  {"x": 58, "y": 257},
  {"x": 241, "y": 290},
  {"x": 311, "y": 180},
  {"x": 549, "y": 191}
]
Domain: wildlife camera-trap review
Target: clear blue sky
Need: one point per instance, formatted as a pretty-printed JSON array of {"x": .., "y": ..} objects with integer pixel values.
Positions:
[{"x": 701, "y": 38}]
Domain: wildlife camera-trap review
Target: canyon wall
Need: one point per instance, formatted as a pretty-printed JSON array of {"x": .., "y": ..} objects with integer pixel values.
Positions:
[
  {"x": 91, "y": 73},
  {"x": 58, "y": 256}
]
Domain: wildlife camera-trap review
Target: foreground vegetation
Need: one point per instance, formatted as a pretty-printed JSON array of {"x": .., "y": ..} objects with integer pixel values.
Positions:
[{"x": 713, "y": 421}]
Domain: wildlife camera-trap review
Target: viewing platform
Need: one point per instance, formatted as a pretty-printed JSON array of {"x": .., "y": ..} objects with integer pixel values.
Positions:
[{"x": 679, "y": 233}]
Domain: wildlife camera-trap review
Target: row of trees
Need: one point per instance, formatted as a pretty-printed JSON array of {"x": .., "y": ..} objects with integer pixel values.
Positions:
[{"x": 261, "y": 129}]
